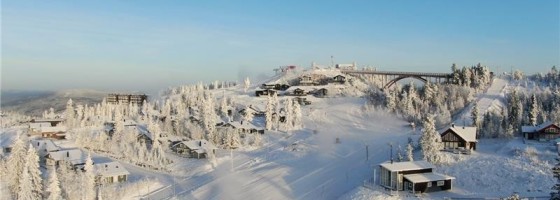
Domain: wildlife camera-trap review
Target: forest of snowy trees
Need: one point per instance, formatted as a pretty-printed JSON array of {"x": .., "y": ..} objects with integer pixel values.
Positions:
[{"x": 440, "y": 100}]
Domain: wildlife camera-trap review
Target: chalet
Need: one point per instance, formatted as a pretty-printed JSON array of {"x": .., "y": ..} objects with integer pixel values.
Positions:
[
  {"x": 74, "y": 157},
  {"x": 194, "y": 148},
  {"x": 244, "y": 127},
  {"x": 545, "y": 132},
  {"x": 459, "y": 137},
  {"x": 339, "y": 79},
  {"x": 266, "y": 92},
  {"x": 57, "y": 132},
  {"x": 299, "y": 92},
  {"x": 414, "y": 176},
  {"x": 43, "y": 147},
  {"x": 137, "y": 99},
  {"x": 34, "y": 127},
  {"x": 253, "y": 110},
  {"x": 275, "y": 86},
  {"x": 111, "y": 172},
  {"x": 322, "y": 92},
  {"x": 53, "y": 122},
  {"x": 307, "y": 80}
]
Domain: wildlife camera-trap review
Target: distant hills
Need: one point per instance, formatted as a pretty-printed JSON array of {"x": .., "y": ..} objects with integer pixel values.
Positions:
[{"x": 34, "y": 103}]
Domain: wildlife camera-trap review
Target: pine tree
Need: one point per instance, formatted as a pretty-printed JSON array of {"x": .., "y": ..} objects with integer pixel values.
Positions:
[
  {"x": 474, "y": 114},
  {"x": 89, "y": 179},
  {"x": 430, "y": 141},
  {"x": 247, "y": 84},
  {"x": 16, "y": 163},
  {"x": 34, "y": 171},
  {"x": 268, "y": 113},
  {"x": 400, "y": 157},
  {"x": 409, "y": 154},
  {"x": 25, "y": 191},
  {"x": 288, "y": 121},
  {"x": 533, "y": 110},
  {"x": 54, "y": 186},
  {"x": 69, "y": 113}
]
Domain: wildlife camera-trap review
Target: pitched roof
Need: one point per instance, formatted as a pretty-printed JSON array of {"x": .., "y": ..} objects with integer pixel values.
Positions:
[
  {"x": 427, "y": 177},
  {"x": 199, "y": 146},
  {"x": 244, "y": 125},
  {"x": 56, "y": 129},
  {"x": 42, "y": 145},
  {"x": 405, "y": 166},
  {"x": 467, "y": 133},
  {"x": 74, "y": 156},
  {"x": 532, "y": 129},
  {"x": 37, "y": 125},
  {"x": 110, "y": 169}
]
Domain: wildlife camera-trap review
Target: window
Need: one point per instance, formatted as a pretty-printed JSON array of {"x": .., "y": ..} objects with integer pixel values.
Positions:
[
  {"x": 429, "y": 184},
  {"x": 440, "y": 183}
]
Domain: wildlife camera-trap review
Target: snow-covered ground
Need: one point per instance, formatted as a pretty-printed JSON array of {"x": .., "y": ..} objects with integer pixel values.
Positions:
[{"x": 310, "y": 164}]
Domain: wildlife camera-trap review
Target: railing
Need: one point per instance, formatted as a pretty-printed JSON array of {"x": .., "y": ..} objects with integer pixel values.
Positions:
[{"x": 442, "y": 75}]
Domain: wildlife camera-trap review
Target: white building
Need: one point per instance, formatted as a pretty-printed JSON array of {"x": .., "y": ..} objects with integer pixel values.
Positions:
[{"x": 111, "y": 172}]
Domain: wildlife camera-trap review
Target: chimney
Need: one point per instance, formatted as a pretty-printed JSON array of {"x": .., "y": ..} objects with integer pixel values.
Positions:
[
  {"x": 68, "y": 154},
  {"x": 452, "y": 125},
  {"x": 200, "y": 143},
  {"x": 241, "y": 122}
]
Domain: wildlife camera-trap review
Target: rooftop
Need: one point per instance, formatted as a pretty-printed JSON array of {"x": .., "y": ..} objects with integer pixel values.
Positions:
[
  {"x": 530, "y": 129},
  {"x": 110, "y": 169},
  {"x": 427, "y": 177},
  {"x": 466, "y": 132},
  {"x": 406, "y": 166}
]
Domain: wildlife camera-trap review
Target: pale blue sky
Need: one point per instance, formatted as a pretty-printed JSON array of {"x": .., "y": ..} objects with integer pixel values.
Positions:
[{"x": 150, "y": 45}]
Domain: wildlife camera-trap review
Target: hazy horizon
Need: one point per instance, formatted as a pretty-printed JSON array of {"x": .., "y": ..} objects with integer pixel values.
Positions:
[{"x": 147, "y": 46}]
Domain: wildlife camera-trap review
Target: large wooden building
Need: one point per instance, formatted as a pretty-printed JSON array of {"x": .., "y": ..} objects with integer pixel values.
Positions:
[
  {"x": 126, "y": 98},
  {"x": 414, "y": 176},
  {"x": 459, "y": 137},
  {"x": 546, "y": 131}
]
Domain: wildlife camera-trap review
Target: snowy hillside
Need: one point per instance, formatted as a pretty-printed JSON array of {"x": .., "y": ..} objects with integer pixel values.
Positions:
[{"x": 36, "y": 104}]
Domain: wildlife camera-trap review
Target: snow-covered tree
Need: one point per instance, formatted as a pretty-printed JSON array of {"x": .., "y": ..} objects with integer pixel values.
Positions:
[
  {"x": 474, "y": 115},
  {"x": 16, "y": 163},
  {"x": 89, "y": 179},
  {"x": 53, "y": 187},
  {"x": 247, "y": 84},
  {"x": 288, "y": 114},
  {"x": 409, "y": 154},
  {"x": 269, "y": 112},
  {"x": 400, "y": 156},
  {"x": 533, "y": 110},
  {"x": 248, "y": 114},
  {"x": 297, "y": 116},
  {"x": 30, "y": 182},
  {"x": 430, "y": 141},
  {"x": 69, "y": 113}
]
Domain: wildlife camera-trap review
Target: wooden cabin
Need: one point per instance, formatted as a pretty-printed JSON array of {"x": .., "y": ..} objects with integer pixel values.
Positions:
[
  {"x": 111, "y": 172},
  {"x": 414, "y": 176},
  {"x": 299, "y": 92},
  {"x": 307, "y": 80},
  {"x": 323, "y": 92},
  {"x": 194, "y": 148},
  {"x": 339, "y": 79},
  {"x": 456, "y": 137},
  {"x": 546, "y": 131},
  {"x": 266, "y": 92},
  {"x": 58, "y": 132}
]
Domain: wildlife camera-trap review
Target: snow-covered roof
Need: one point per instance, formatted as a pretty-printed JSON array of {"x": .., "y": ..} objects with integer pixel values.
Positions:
[
  {"x": 44, "y": 145},
  {"x": 55, "y": 129},
  {"x": 427, "y": 177},
  {"x": 531, "y": 129},
  {"x": 140, "y": 129},
  {"x": 466, "y": 132},
  {"x": 406, "y": 166},
  {"x": 38, "y": 125},
  {"x": 198, "y": 145},
  {"x": 74, "y": 156},
  {"x": 7, "y": 139},
  {"x": 109, "y": 169},
  {"x": 47, "y": 120},
  {"x": 244, "y": 125}
]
